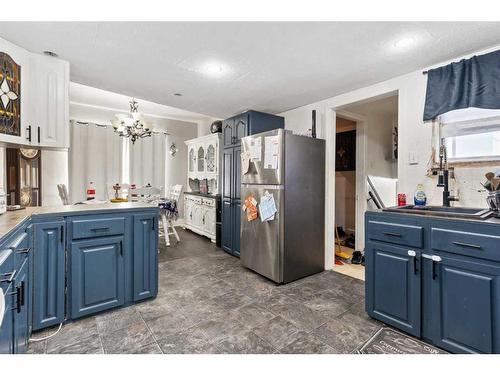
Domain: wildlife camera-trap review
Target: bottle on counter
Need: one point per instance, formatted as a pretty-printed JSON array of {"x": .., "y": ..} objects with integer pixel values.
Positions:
[
  {"x": 420, "y": 198},
  {"x": 132, "y": 193},
  {"x": 90, "y": 191}
]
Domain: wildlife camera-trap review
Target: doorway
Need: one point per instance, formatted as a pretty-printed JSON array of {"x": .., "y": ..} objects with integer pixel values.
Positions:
[{"x": 365, "y": 150}]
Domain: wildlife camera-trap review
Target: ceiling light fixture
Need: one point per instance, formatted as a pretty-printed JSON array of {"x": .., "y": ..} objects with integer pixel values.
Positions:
[
  {"x": 404, "y": 42},
  {"x": 132, "y": 125},
  {"x": 214, "y": 69}
]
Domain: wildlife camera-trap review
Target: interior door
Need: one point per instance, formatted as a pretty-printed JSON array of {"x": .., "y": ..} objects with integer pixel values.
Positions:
[
  {"x": 261, "y": 248},
  {"x": 465, "y": 297},
  {"x": 393, "y": 283}
]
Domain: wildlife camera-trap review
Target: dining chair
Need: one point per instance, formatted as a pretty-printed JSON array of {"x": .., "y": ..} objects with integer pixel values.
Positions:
[{"x": 169, "y": 214}]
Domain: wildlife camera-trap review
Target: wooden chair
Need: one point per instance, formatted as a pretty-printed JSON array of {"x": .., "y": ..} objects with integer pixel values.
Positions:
[{"x": 167, "y": 218}]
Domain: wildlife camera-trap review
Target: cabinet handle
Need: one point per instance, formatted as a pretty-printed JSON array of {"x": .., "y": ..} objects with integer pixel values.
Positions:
[
  {"x": 413, "y": 254},
  {"x": 8, "y": 277},
  {"x": 28, "y": 130},
  {"x": 121, "y": 248},
  {"x": 38, "y": 131},
  {"x": 392, "y": 234},
  {"x": 100, "y": 229},
  {"x": 153, "y": 223},
  {"x": 62, "y": 234},
  {"x": 463, "y": 244},
  {"x": 22, "y": 298},
  {"x": 18, "y": 299},
  {"x": 23, "y": 251},
  {"x": 435, "y": 260}
]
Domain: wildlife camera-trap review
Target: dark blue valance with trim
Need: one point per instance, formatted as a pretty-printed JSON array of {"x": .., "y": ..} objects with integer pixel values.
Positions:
[{"x": 474, "y": 82}]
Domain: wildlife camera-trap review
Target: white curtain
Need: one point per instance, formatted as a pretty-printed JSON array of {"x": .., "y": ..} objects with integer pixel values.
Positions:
[
  {"x": 95, "y": 154},
  {"x": 147, "y": 161}
]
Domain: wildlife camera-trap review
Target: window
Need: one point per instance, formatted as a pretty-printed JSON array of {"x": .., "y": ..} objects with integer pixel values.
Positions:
[{"x": 471, "y": 134}]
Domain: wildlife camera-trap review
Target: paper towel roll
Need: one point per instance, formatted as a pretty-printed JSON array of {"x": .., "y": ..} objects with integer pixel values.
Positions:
[{"x": 2, "y": 306}]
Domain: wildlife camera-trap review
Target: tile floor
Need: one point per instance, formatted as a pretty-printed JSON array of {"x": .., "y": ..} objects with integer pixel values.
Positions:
[{"x": 208, "y": 303}]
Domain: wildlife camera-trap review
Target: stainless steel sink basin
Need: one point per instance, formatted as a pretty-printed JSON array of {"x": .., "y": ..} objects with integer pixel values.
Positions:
[{"x": 458, "y": 212}]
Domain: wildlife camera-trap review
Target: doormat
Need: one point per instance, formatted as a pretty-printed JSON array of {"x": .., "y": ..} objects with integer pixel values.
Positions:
[{"x": 389, "y": 341}]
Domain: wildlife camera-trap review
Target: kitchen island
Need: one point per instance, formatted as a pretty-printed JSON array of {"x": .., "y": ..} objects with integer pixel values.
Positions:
[
  {"x": 67, "y": 262},
  {"x": 436, "y": 278}
]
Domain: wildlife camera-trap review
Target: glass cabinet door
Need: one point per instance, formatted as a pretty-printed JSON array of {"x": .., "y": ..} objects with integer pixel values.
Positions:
[
  {"x": 192, "y": 159},
  {"x": 211, "y": 158},
  {"x": 201, "y": 159}
]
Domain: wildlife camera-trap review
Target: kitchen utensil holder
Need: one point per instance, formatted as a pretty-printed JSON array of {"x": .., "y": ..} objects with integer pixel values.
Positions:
[{"x": 493, "y": 200}]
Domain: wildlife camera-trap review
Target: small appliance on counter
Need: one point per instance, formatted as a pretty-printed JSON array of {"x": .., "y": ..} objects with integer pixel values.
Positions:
[
  {"x": 492, "y": 185},
  {"x": 3, "y": 201}
]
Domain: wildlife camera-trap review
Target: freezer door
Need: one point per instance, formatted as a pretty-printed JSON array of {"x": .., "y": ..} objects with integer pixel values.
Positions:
[
  {"x": 258, "y": 171},
  {"x": 261, "y": 247}
]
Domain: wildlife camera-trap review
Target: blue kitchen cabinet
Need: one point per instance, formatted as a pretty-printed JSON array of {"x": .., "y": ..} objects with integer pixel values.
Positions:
[
  {"x": 97, "y": 275},
  {"x": 49, "y": 274},
  {"x": 466, "y": 305},
  {"x": 7, "y": 275},
  {"x": 145, "y": 256},
  {"x": 22, "y": 310},
  {"x": 233, "y": 129},
  {"x": 393, "y": 288}
]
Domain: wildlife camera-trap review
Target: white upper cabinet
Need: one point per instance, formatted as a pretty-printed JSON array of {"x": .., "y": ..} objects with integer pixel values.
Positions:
[
  {"x": 50, "y": 102},
  {"x": 44, "y": 99},
  {"x": 15, "y": 99}
]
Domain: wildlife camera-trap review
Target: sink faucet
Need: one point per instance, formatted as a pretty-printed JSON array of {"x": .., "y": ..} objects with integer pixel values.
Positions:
[{"x": 443, "y": 176}]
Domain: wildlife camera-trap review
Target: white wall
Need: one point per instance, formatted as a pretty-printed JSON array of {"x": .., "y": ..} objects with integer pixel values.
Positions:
[
  {"x": 414, "y": 137},
  {"x": 54, "y": 171}
]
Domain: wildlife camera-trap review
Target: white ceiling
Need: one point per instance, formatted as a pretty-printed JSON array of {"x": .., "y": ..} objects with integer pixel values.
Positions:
[{"x": 271, "y": 67}]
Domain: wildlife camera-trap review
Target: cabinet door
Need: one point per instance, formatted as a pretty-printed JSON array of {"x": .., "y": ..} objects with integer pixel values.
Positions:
[
  {"x": 50, "y": 101},
  {"x": 227, "y": 173},
  {"x": 211, "y": 158},
  {"x": 236, "y": 173},
  {"x": 188, "y": 211},
  {"x": 209, "y": 220},
  {"x": 97, "y": 275},
  {"x": 7, "y": 328},
  {"x": 145, "y": 256},
  {"x": 393, "y": 286},
  {"x": 227, "y": 226},
  {"x": 21, "y": 327},
  {"x": 466, "y": 311},
  {"x": 17, "y": 62},
  {"x": 237, "y": 227},
  {"x": 200, "y": 158},
  {"x": 228, "y": 132},
  {"x": 240, "y": 128},
  {"x": 49, "y": 274},
  {"x": 191, "y": 159}
]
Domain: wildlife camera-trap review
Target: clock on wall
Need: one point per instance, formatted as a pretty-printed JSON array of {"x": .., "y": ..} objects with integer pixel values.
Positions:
[
  {"x": 216, "y": 127},
  {"x": 29, "y": 153}
]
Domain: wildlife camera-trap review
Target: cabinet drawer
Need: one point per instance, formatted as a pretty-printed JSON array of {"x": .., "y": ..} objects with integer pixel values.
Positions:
[
  {"x": 478, "y": 245},
  {"x": 21, "y": 248},
  {"x": 400, "y": 234},
  {"x": 97, "y": 227}
]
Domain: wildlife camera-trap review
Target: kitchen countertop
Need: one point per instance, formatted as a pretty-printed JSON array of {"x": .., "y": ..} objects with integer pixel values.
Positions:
[
  {"x": 11, "y": 219},
  {"x": 200, "y": 194},
  {"x": 491, "y": 220}
]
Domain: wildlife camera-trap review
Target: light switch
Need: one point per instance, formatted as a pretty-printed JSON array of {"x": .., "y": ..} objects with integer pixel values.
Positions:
[{"x": 412, "y": 158}]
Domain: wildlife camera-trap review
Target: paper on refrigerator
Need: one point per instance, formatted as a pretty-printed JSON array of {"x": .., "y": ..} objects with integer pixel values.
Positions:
[
  {"x": 267, "y": 207},
  {"x": 245, "y": 162},
  {"x": 271, "y": 152},
  {"x": 255, "y": 149}
]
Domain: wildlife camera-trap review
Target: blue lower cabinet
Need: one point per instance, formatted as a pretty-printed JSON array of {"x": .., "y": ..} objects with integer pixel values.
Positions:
[
  {"x": 466, "y": 305},
  {"x": 97, "y": 275},
  {"x": 22, "y": 308},
  {"x": 145, "y": 256},
  {"x": 49, "y": 274},
  {"x": 7, "y": 328},
  {"x": 393, "y": 288}
]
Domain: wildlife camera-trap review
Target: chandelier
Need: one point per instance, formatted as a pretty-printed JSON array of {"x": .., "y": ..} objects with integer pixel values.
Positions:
[{"x": 131, "y": 125}]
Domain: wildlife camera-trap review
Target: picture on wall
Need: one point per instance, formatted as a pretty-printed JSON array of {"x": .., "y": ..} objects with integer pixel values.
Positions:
[
  {"x": 10, "y": 96},
  {"x": 345, "y": 157}
]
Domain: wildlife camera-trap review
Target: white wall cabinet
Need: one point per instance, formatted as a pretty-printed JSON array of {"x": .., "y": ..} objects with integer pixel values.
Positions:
[
  {"x": 44, "y": 99},
  {"x": 204, "y": 158},
  {"x": 50, "y": 102}
]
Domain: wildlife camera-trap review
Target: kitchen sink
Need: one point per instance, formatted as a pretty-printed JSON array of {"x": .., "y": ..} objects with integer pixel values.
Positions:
[{"x": 457, "y": 212}]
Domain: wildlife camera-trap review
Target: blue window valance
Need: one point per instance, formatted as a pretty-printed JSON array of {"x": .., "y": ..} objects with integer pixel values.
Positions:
[{"x": 473, "y": 82}]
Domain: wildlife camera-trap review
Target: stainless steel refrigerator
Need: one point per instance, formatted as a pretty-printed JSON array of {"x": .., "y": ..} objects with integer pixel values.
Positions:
[{"x": 291, "y": 168}]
